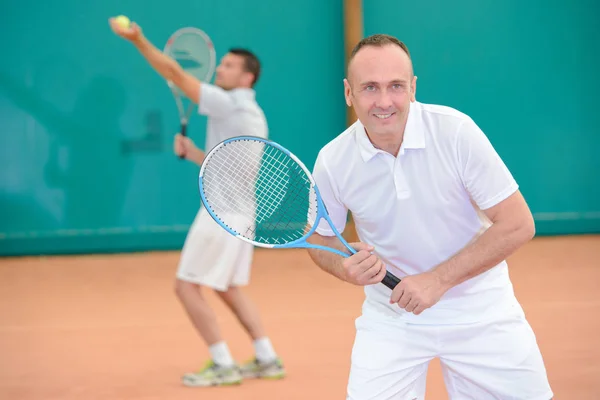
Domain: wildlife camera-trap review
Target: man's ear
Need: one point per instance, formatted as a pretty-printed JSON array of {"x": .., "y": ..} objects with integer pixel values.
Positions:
[
  {"x": 413, "y": 89},
  {"x": 348, "y": 93}
]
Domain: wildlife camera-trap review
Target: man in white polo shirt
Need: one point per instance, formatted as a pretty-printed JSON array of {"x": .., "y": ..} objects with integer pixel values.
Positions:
[
  {"x": 432, "y": 201},
  {"x": 211, "y": 257}
]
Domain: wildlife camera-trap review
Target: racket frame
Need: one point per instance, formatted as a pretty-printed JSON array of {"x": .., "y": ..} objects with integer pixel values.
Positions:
[
  {"x": 389, "y": 280},
  {"x": 184, "y": 115}
]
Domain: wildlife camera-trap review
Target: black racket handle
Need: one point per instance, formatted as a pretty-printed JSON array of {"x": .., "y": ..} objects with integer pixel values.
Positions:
[
  {"x": 390, "y": 280},
  {"x": 183, "y": 133}
]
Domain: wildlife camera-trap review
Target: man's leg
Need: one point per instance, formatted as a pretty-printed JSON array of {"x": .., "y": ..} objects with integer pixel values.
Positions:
[
  {"x": 266, "y": 364},
  {"x": 198, "y": 310},
  {"x": 390, "y": 359},
  {"x": 221, "y": 370},
  {"x": 496, "y": 359},
  {"x": 206, "y": 263}
]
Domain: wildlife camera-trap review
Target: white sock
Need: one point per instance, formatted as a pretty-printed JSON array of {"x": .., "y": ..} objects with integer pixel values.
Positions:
[
  {"x": 220, "y": 354},
  {"x": 264, "y": 350}
]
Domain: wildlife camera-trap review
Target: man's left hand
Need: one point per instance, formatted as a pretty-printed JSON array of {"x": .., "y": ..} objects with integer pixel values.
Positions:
[{"x": 417, "y": 293}]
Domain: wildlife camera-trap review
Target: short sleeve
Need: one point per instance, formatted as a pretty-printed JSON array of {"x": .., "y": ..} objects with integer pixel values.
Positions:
[
  {"x": 214, "y": 101},
  {"x": 335, "y": 208},
  {"x": 484, "y": 175}
]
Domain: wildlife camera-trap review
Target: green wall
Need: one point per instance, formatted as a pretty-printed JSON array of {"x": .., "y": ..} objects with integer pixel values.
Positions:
[
  {"x": 86, "y": 160},
  {"x": 528, "y": 73},
  {"x": 85, "y": 147}
]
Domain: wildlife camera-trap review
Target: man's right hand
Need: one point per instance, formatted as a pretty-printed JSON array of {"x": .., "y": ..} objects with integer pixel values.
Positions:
[
  {"x": 132, "y": 33},
  {"x": 185, "y": 147},
  {"x": 363, "y": 268}
]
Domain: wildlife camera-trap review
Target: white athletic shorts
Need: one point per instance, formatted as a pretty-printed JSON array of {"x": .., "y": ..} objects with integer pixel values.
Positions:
[
  {"x": 497, "y": 359},
  {"x": 213, "y": 257}
]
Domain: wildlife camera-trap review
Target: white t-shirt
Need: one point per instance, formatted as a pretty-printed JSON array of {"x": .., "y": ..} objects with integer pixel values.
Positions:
[
  {"x": 230, "y": 113},
  {"x": 420, "y": 208}
]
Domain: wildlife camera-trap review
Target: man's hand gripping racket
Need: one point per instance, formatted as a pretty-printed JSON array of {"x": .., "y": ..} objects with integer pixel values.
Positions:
[
  {"x": 363, "y": 267},
  {"x": 263, "y": 194}
]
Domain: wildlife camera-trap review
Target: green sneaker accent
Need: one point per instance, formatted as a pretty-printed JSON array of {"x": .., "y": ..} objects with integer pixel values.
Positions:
[
  {"x": 256, "y": 369},
  {"x": 213, "y": 375}
]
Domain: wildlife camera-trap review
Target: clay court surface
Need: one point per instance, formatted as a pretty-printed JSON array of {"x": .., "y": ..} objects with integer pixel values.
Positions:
[{"x": 110, "y": 327}]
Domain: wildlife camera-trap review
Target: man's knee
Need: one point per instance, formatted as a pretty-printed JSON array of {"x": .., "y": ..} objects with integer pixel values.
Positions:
[
  {"x": 229, "y": 295},
  {"x": 182, "y": 288}
]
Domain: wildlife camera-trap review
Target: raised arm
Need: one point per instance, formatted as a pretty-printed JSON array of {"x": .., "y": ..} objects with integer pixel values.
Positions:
[{"x": 165, "y": 66}]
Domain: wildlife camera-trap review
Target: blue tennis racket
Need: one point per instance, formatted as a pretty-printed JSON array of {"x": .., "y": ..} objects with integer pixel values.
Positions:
[{"x": 263, "y": 194}]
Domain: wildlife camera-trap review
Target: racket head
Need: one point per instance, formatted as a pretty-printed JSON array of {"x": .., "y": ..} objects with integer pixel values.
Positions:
[
  {"x": 263, "y": 194},
  {"x": 194, "y": 51},
  {"x": 260, "y": 192}
]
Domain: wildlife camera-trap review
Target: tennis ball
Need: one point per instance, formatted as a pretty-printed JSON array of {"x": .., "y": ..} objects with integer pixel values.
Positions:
[{"x": 122, "y": 21}]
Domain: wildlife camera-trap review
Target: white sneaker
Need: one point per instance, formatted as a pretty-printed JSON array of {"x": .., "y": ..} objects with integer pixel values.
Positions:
[
  {"x": 270, "y": 370},
  {"x": 213, "y": 375}
]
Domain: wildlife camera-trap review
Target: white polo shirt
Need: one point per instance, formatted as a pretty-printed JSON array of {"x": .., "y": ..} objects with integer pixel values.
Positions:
[
  {"x": 420, "y": 208},
  {"x": 230, "y": 113}
]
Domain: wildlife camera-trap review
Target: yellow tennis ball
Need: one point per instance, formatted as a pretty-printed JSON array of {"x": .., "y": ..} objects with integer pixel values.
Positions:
[{"x": 122, "y": 21}]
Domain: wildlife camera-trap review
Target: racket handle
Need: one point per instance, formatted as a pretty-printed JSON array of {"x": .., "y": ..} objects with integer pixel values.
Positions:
[
  {"x": 390, "y": 280},
  {"x": 183, "y": 133}
]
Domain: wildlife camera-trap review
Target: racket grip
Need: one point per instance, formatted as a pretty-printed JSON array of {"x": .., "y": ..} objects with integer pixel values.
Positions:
[
  {"x": 183, "y": 133},
  {"x": 390, "y": 280}
]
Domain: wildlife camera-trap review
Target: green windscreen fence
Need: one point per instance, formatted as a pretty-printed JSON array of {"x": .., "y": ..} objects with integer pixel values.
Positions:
[
  {"x": 86, "y": 160},
  {"x": 528, "y": 73}
]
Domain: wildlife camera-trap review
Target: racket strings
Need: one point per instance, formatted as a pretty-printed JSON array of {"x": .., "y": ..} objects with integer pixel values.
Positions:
[
  {"x": 231, "y": 187},
  {"x": 194, "y": 52},
  {"x": 291, "y": 220},
  {"x": 274, "y": 190},
  {"x": 228, "y": 183},
  {"x": 259, "y": 192},
  {"x": 191, "y": 52}
]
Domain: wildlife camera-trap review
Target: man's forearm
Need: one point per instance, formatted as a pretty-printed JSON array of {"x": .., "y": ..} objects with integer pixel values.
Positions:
[
  {"x": 328, "y": 261},
  {"x": 496, "y": 244},
  {"x": 163, "y": 64},
  {"x": 196, "y": 156}
]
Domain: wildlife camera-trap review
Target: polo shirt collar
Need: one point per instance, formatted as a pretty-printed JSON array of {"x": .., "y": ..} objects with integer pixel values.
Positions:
[{"x": 413, "y": 136}]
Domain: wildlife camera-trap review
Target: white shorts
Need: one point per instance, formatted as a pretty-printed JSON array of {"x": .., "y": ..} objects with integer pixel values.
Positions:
[
  {"x": 213, "y": 257},
  {"x": 497, "y": 359}
]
